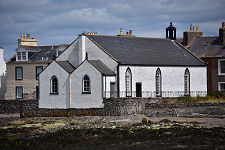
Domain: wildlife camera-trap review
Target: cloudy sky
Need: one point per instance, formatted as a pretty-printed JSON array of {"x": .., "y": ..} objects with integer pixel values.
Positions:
[{"x": 55, "y": 21}]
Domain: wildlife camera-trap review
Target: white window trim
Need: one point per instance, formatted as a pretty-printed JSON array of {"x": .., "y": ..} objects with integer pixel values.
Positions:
[
  {"x": 219, "y": 89},
  {"x": 219, "y": 73},
  {"x": 22, "y": 56}
]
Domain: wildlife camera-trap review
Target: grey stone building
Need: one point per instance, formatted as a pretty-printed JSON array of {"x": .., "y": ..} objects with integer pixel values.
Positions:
[
  {"x": 212, "y": 51},
  {"x": 24, "y": 67}
]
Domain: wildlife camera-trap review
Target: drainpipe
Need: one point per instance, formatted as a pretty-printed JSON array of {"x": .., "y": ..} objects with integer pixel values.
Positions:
[
  {"x": 70, "y": 92},
  {"x": 210, "y": 68}
]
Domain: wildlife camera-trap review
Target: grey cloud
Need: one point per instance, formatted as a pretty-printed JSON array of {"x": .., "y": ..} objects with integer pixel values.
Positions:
[{"x": 55, "y": 21}]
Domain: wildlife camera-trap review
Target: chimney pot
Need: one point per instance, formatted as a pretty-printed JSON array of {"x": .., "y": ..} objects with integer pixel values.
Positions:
[
  {"x": 130, "y": 32},
  {"x": 197, "y": 28},
  {"x": 223, "y": 24},
  {"x": 191, "y": 27}
]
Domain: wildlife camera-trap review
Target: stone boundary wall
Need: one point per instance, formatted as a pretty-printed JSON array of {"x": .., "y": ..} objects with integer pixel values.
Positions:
[{"x": 116, "y": 107}]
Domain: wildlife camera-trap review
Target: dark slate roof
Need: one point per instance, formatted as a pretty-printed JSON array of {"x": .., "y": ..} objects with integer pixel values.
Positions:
[
  {"x": 40, "y": 48},
  {"x": 102, "y": 67},
  {"x": 42, "y": 56},
  {"x": 207, "y": 47},
  {"x": 38, "y": 53},
  {"x": 66, "y": 65},
  {"x": 146, "y": 51}
]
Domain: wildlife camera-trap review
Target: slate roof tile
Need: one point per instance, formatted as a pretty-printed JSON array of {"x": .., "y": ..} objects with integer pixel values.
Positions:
[{"x": 146, "y": 51}]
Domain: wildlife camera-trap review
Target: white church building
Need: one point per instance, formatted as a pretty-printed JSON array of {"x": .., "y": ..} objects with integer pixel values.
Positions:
[
  {"x": 2, "y": 74},
  {"x": 95, "y": 67}
]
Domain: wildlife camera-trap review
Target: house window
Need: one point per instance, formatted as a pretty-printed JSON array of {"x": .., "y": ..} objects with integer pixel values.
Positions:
[
  {"x": 54, "y": 85},
  {"x": 19, "y": 73},
  {"x": 24, "y": 55},
  {"x": 18, "y": 55},
  {"x": 128, "y": 82},
  {"x": 187, "y": 82},
  {"x": 221, "y": 66},
  {"x": 158, "y": 83},
  {"x": 221, "y": 86},
  {"x": 21, "y": 56},
  {"x": 38, "y": 71},
  {"x": 86, "y": 85},
  {"x": 19, "y": 92}
]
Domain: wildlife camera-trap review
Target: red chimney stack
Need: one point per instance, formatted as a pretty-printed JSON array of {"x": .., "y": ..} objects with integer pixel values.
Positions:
[
  {"x": 223, "y": 24},
  {"x": 130, "y": 32}
]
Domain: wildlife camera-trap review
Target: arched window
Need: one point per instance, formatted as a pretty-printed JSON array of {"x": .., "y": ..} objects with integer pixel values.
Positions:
[
  {"x": 187, "y": 82},
  {"x": 86, "y": 84},
  {"x": 128, "y": 80},
  {"x": 158, "y": 83},
  {"x": 54, "y": 85}
]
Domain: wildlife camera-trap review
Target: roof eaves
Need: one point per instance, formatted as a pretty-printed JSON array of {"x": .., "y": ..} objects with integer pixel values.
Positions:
[{"x": 189, "y": 52}]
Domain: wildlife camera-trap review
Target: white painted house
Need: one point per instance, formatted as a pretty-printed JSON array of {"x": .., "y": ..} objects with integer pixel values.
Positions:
[
  {"x": 95, "y": 67},
  {"x": 2, "y": 74}
]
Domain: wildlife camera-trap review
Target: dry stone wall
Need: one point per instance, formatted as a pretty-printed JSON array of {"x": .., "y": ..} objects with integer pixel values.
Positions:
[{"x": 118, "y": 107}]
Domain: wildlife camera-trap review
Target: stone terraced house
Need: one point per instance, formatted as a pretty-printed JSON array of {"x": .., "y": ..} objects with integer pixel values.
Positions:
[
  {"x": 24, "y": 67},
  {"x": 95, "y": 67},
  {"x": 212, "y": 51}
]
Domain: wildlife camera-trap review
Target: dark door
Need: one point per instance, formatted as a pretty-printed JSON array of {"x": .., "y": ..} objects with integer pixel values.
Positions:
[
  {"x": 112, "y": 89},
  {"x": 138, "y": 89},
  {"x": 37, "y": 92}
]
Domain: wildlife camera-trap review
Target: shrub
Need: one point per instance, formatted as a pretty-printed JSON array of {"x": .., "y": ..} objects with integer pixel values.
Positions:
[
  {"x": 144, "y": 120},
  {"x": 216, "y": 94}
]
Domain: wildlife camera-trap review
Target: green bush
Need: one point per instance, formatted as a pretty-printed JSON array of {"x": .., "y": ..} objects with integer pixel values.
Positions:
[{"x": 216, "y": 94}]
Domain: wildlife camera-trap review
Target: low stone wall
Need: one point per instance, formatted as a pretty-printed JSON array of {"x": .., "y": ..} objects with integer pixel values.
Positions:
[
  {"x": 116, "y": 107},
  {"x": 185, "y": 109},
  {"x": 124, "y": 106}
]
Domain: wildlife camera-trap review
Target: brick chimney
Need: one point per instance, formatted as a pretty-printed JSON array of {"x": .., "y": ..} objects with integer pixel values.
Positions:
[
  {"x": 26, "y": 40},
  {"x": 188, "y": 36},
  {"x": 222, "y": 34}
]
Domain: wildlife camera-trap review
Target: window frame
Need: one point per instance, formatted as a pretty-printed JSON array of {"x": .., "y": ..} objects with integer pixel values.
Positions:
[
  {"x": 130, "y": 82},
  {"x": 187, "y": 74},
  {"x": 83, "y": 84},
  {"x": 219, "y": 87},
  {"x": 21, "y": 55},
  {"x": 17, "y": 92},
  {"x": 16, "y": 73},
  {"x": 219, "y": 67},
  {"x": 51, "y": 86},
  {"x": 158, "y": 93},
  {"x": 18, "y": 57},
  {"x": 37, "y": 75}
]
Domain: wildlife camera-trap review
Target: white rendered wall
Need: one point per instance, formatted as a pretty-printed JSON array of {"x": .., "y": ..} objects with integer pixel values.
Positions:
[
  {"x": 172, "y": 79},
  {"x": 93, "y": 100},
  {"x": 2, "y": 62},
  {"x": 95, "y": 53},
  {"x": 48, "y": 100},
  {"x": 2, "y": 75},
  {"x": 106, "y": 86},
  {"x": 71, "y": 54}
]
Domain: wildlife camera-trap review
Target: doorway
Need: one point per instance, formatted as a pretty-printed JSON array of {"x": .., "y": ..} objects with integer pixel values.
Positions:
[
  {"x": 138, "y": 89},
  {"x": 112, "y": 90}
]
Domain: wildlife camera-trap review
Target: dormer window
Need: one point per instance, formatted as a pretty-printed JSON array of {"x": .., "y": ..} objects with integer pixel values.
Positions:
[
  {"x": 24, "y": 56},
  {"x": 21, "y": 56},
  {"x": 18, "y": 55}
]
